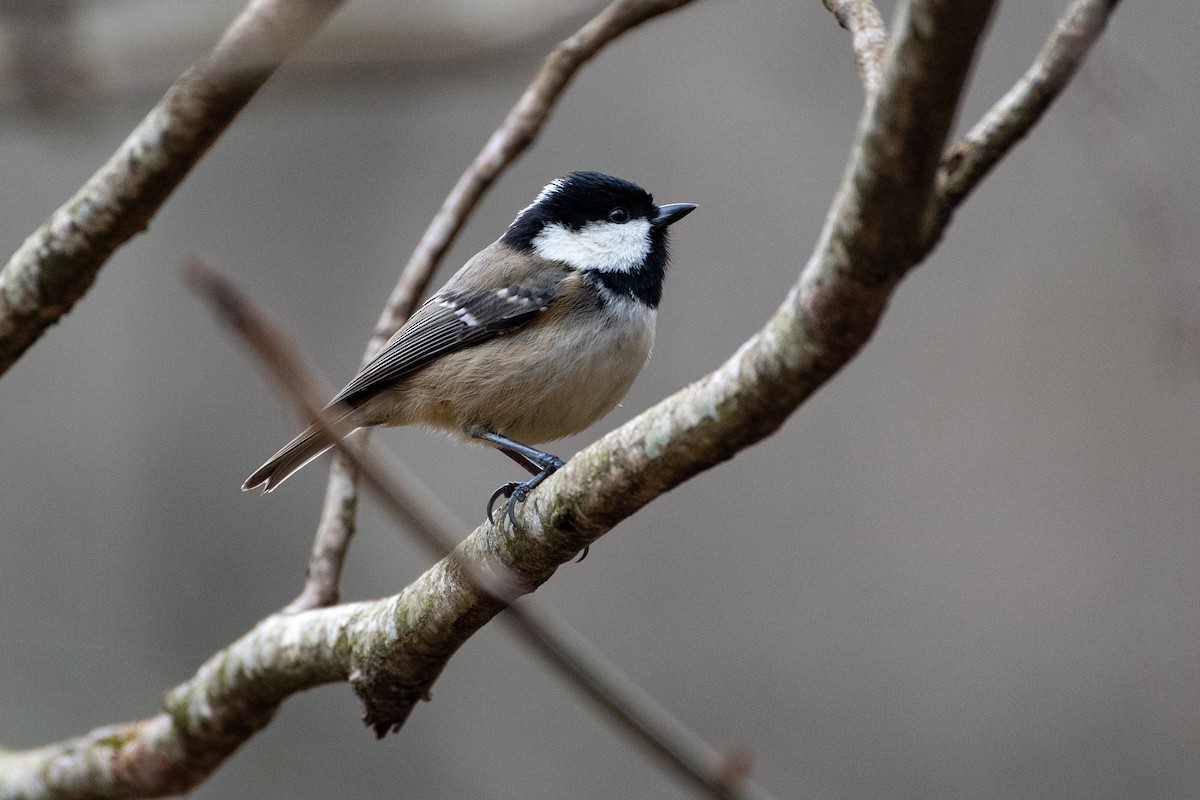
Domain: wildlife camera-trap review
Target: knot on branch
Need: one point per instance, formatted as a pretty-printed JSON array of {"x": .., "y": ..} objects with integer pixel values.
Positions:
[{"x": 387, "y": 698}]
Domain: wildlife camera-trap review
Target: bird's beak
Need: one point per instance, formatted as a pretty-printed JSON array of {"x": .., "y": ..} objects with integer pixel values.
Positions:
[{"x": 672, "y": 212}]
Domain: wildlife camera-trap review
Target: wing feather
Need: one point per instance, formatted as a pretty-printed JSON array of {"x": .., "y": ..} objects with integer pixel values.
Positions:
[{"x": 449, "y": 321}]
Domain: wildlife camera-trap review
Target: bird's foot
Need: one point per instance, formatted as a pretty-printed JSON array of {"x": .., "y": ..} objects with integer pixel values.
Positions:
[
  {"x": 508, "y": 490},
  {"x": 516, "y": 492}
]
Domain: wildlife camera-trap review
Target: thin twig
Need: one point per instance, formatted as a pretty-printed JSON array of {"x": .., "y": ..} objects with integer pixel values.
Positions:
[
  {"x": 1014, "y": 115},
  {"x": 60, "y": 260},
  {"x": 332, "y": 541},
  {"x": 417, "y": 509},
  {"x": 868, "y": 39},
  {"x": 518, "y": 131}
]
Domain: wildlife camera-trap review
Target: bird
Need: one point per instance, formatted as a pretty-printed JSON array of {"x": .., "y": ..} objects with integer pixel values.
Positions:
[{"x": 536, "y": 337}]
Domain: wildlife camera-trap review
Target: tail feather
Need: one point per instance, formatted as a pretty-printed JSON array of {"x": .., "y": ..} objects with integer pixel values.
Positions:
[{"x": 294, "y": 455}]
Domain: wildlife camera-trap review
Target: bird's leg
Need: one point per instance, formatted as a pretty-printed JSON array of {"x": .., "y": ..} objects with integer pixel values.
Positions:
[
  {"x": 540, "y": 465},
  {"x": 529, "y": 466}
]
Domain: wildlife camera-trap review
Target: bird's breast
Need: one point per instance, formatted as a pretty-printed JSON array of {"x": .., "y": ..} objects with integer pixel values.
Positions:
[{"x": 543, "y": 382}]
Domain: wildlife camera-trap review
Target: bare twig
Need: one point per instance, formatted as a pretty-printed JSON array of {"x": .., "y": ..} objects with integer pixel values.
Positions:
[
  {"x": 868, "y": 38},
  {"x": 518, "y": 131},
  {"x": 332, "y": 540},
  {"x": 418, "y": 510},
  {"x": 56, "y": 265},
  {"x": 1014, "y": 115}
]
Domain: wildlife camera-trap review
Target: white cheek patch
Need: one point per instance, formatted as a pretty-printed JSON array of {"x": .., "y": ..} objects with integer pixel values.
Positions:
[{"x": 605, "y": 246}]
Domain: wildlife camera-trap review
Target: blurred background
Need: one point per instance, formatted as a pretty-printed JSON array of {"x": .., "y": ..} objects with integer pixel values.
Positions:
[{"x": 967, "y": 568}]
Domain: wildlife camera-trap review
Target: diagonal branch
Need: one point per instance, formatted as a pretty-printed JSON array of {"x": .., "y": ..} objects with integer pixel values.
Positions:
[
  {"x": 413, "y": 506},
  {"x": 1015, "y": 114},
  {"x": 518, "y": 131},
  {"x": 872, "y": 237},
  {"x": 57, "y": 264},
  {"x": 390, "y": 650}
]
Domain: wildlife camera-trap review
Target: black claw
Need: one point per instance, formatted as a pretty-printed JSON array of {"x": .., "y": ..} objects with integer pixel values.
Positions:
[
  {"x": 540, "y": 464},
  {"x": 516, "y": 493},
  {"x": 583, "y": 554},
  {"x": 512, "y": 509},
  {"x": 506, "y": 490}
]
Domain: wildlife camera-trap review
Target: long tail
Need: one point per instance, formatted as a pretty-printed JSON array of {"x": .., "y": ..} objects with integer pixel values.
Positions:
[{"x": 294, "y": 455}]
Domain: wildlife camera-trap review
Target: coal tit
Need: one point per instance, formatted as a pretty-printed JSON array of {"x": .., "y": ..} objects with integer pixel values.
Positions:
[{"x": 536, "y": 337}]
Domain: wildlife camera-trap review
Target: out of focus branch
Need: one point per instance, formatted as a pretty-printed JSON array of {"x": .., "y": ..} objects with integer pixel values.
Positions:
[
  {"x": 868, "y": 38},
  {"x": 60, "y": 260},
  {"x": 518, "y": 131},
  {"x": 57, "y": 52}
]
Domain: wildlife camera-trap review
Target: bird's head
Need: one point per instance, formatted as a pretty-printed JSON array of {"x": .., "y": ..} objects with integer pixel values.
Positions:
[{"x": 597, "y": 223}]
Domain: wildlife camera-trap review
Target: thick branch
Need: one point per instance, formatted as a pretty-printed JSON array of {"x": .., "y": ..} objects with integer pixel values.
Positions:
[
  {"x": 236, "y": 693},
  {"x": 872, "y": 237},
  {"x": 415, "y": 508},
  {"x": 56, "y": 265},
  {"x": 390, "y": 650},
  {"x": 518, "y": 131}
]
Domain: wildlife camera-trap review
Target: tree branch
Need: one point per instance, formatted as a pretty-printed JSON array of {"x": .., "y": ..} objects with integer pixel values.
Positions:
[
  {"x": 868, "y": 39},
  {"x": 518, "y": 131},
  {"x": 57, "y": 264},
  {"x": 1015, "y": 114},
  {"x": 877, "y": 230},
  {"x": 391, "y": 650},
  {"x": 414, "y": 507},
  {"x": 872, "y": 237}
]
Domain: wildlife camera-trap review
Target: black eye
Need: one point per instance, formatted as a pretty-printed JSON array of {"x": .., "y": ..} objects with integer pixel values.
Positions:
[{"x": 618, "y": 215}]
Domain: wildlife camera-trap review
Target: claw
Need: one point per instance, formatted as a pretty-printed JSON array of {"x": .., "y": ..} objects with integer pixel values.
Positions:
[
  {"x": 517, "y": 492},
  {"x": 541, "y": 465},
  {"x": 518, "y": 496},
  {"x": 504, "y": 491}
]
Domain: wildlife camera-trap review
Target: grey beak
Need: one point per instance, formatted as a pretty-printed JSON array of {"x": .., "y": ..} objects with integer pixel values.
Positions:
[{"x": 672, "y": 212}]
